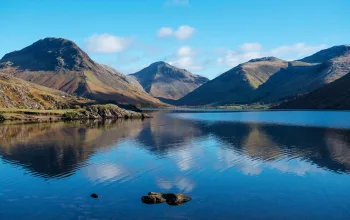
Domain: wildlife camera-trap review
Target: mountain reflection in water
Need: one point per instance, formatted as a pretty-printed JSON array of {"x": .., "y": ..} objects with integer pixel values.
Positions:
[
  {"x": 218, "y": 162},
  {"x": 58, "y": 149}
]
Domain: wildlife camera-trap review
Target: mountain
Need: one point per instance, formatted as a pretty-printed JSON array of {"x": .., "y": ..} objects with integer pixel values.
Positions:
[
  {"x": 163, "y": 80},
  {"x": 17, "y": 93},
  {"x": 271, "y": 80},
  {"x": 235, "y": 85},
  {"x": 335, "y": 95},
  {"x": 305, "y": 75},
  {"x": 60, "y": 64}
]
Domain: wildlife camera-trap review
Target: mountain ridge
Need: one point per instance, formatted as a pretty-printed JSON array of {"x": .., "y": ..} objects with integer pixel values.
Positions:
[
  {"x": 236, "y": 84},
  {"x": 272, "y": 80},
  {"x": 60, "y": 64}
]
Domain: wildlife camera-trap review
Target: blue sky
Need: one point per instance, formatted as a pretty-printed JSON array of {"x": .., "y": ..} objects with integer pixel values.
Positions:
[{"x": 207, "y": 37}]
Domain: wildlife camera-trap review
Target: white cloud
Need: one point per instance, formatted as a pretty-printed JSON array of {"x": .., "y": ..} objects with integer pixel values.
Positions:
[
  {"x": 165, "y": 32},
  {"x": 233, "y": 58},
  {"x": 184, "y": 32},
  {"x": 186, "y": 51},
  {"x": 106, "y": 43},
  {"x": 170, "y": 3},
  {"x": 299, "y": 49},
  {"x": 250, "y": 47},
  {"x": 186, "y": 63},
  {"x": 248, "y": 51},
  {"x": 185, "y": 58}
]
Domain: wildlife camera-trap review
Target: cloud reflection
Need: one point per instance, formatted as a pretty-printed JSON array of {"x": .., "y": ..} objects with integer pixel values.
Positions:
[
  {"x": 181, "y": 184},
  {"x": 105, "y": 172}
]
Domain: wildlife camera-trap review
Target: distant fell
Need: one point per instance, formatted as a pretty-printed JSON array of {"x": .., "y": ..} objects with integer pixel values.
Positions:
[
  {"x": 165, "y": 81},
  {"x": 270, "y": 80},
  {"x": 236, "y": 85}
]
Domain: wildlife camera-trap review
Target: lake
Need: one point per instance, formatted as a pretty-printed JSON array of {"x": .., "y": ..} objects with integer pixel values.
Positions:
[{"x": 235, "y": 165}]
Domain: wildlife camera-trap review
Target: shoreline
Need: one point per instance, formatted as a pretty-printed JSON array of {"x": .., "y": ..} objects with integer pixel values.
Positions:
[{"x": 93, "y": 112}]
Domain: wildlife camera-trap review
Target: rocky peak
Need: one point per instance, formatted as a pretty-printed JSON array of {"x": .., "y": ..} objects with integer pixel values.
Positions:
[
  {"x": 49, "y": 54},
  {"x": 164, "y": 69},
  {"x": 328, "y": 54},
  {"x": 159, "y": 63},
  {"x": 271, "y": 59},
  {"x": 163, "y": 80}
]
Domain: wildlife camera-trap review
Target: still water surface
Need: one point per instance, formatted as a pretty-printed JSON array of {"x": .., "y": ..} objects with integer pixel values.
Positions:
[{"x": 252, "y": 165}]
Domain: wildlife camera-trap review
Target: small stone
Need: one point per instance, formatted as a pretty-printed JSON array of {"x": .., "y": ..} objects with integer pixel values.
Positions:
[{"x": 94, "y": 195}]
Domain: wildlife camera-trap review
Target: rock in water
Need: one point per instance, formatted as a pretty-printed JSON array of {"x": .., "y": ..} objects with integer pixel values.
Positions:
[
  {"x": 176, "y": 199},
  {"x": 169, "y": 198},
  {"x": 94, "y": 195},
  {"x": 153, "y": 198}
]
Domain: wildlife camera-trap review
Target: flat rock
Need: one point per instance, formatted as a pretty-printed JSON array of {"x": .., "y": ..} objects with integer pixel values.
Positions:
[
  {"x": 176, "y": 199},
  {"x": 169, "y": 198}
]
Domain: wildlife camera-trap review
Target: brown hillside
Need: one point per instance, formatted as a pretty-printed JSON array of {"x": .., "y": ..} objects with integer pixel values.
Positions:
[{"x": 60, "y": 64}]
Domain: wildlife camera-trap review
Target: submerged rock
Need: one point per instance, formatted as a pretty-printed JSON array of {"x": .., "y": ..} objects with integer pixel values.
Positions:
[
  {"x": 153, "y": 198},
  {"x": 94, "y": 195},
  {"x": 176, "y": 199},
  {"x": 169, "y": 198}
]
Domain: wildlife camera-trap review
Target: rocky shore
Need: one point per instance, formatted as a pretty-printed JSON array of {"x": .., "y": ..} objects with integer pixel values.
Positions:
[
  {"x": 95, "y": 112},
  {"x": 108, "y": 111}
]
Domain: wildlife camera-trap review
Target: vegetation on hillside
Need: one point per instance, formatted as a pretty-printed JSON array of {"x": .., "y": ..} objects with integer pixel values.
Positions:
[
  {"x": 88, "y": 112},
  {"x": 60, "y": 64}
]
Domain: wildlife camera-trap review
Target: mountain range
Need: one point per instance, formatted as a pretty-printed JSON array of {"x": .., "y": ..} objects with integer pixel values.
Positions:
[
  {"x": 60, "y": 64},
  {"x": 272, "y": 80}
]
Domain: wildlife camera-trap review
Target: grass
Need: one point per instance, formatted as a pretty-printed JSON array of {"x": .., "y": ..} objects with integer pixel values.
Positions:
[
  {"x": 252, "y": 106},
  {"x": 59, "y": 112},
  {"x": 35, "y": 115}
]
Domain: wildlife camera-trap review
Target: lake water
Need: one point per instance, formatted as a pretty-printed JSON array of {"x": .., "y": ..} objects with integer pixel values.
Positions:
[{"x": 245, "y": 165}]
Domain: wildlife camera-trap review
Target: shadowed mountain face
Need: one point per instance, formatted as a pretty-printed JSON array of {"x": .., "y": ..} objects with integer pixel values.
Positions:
[
  {"x": 60, "y": 64},
  {"x": 165, "y": 81},
  {"x": 335, "y": 95},
  {"x": 270, "y": 80}
]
